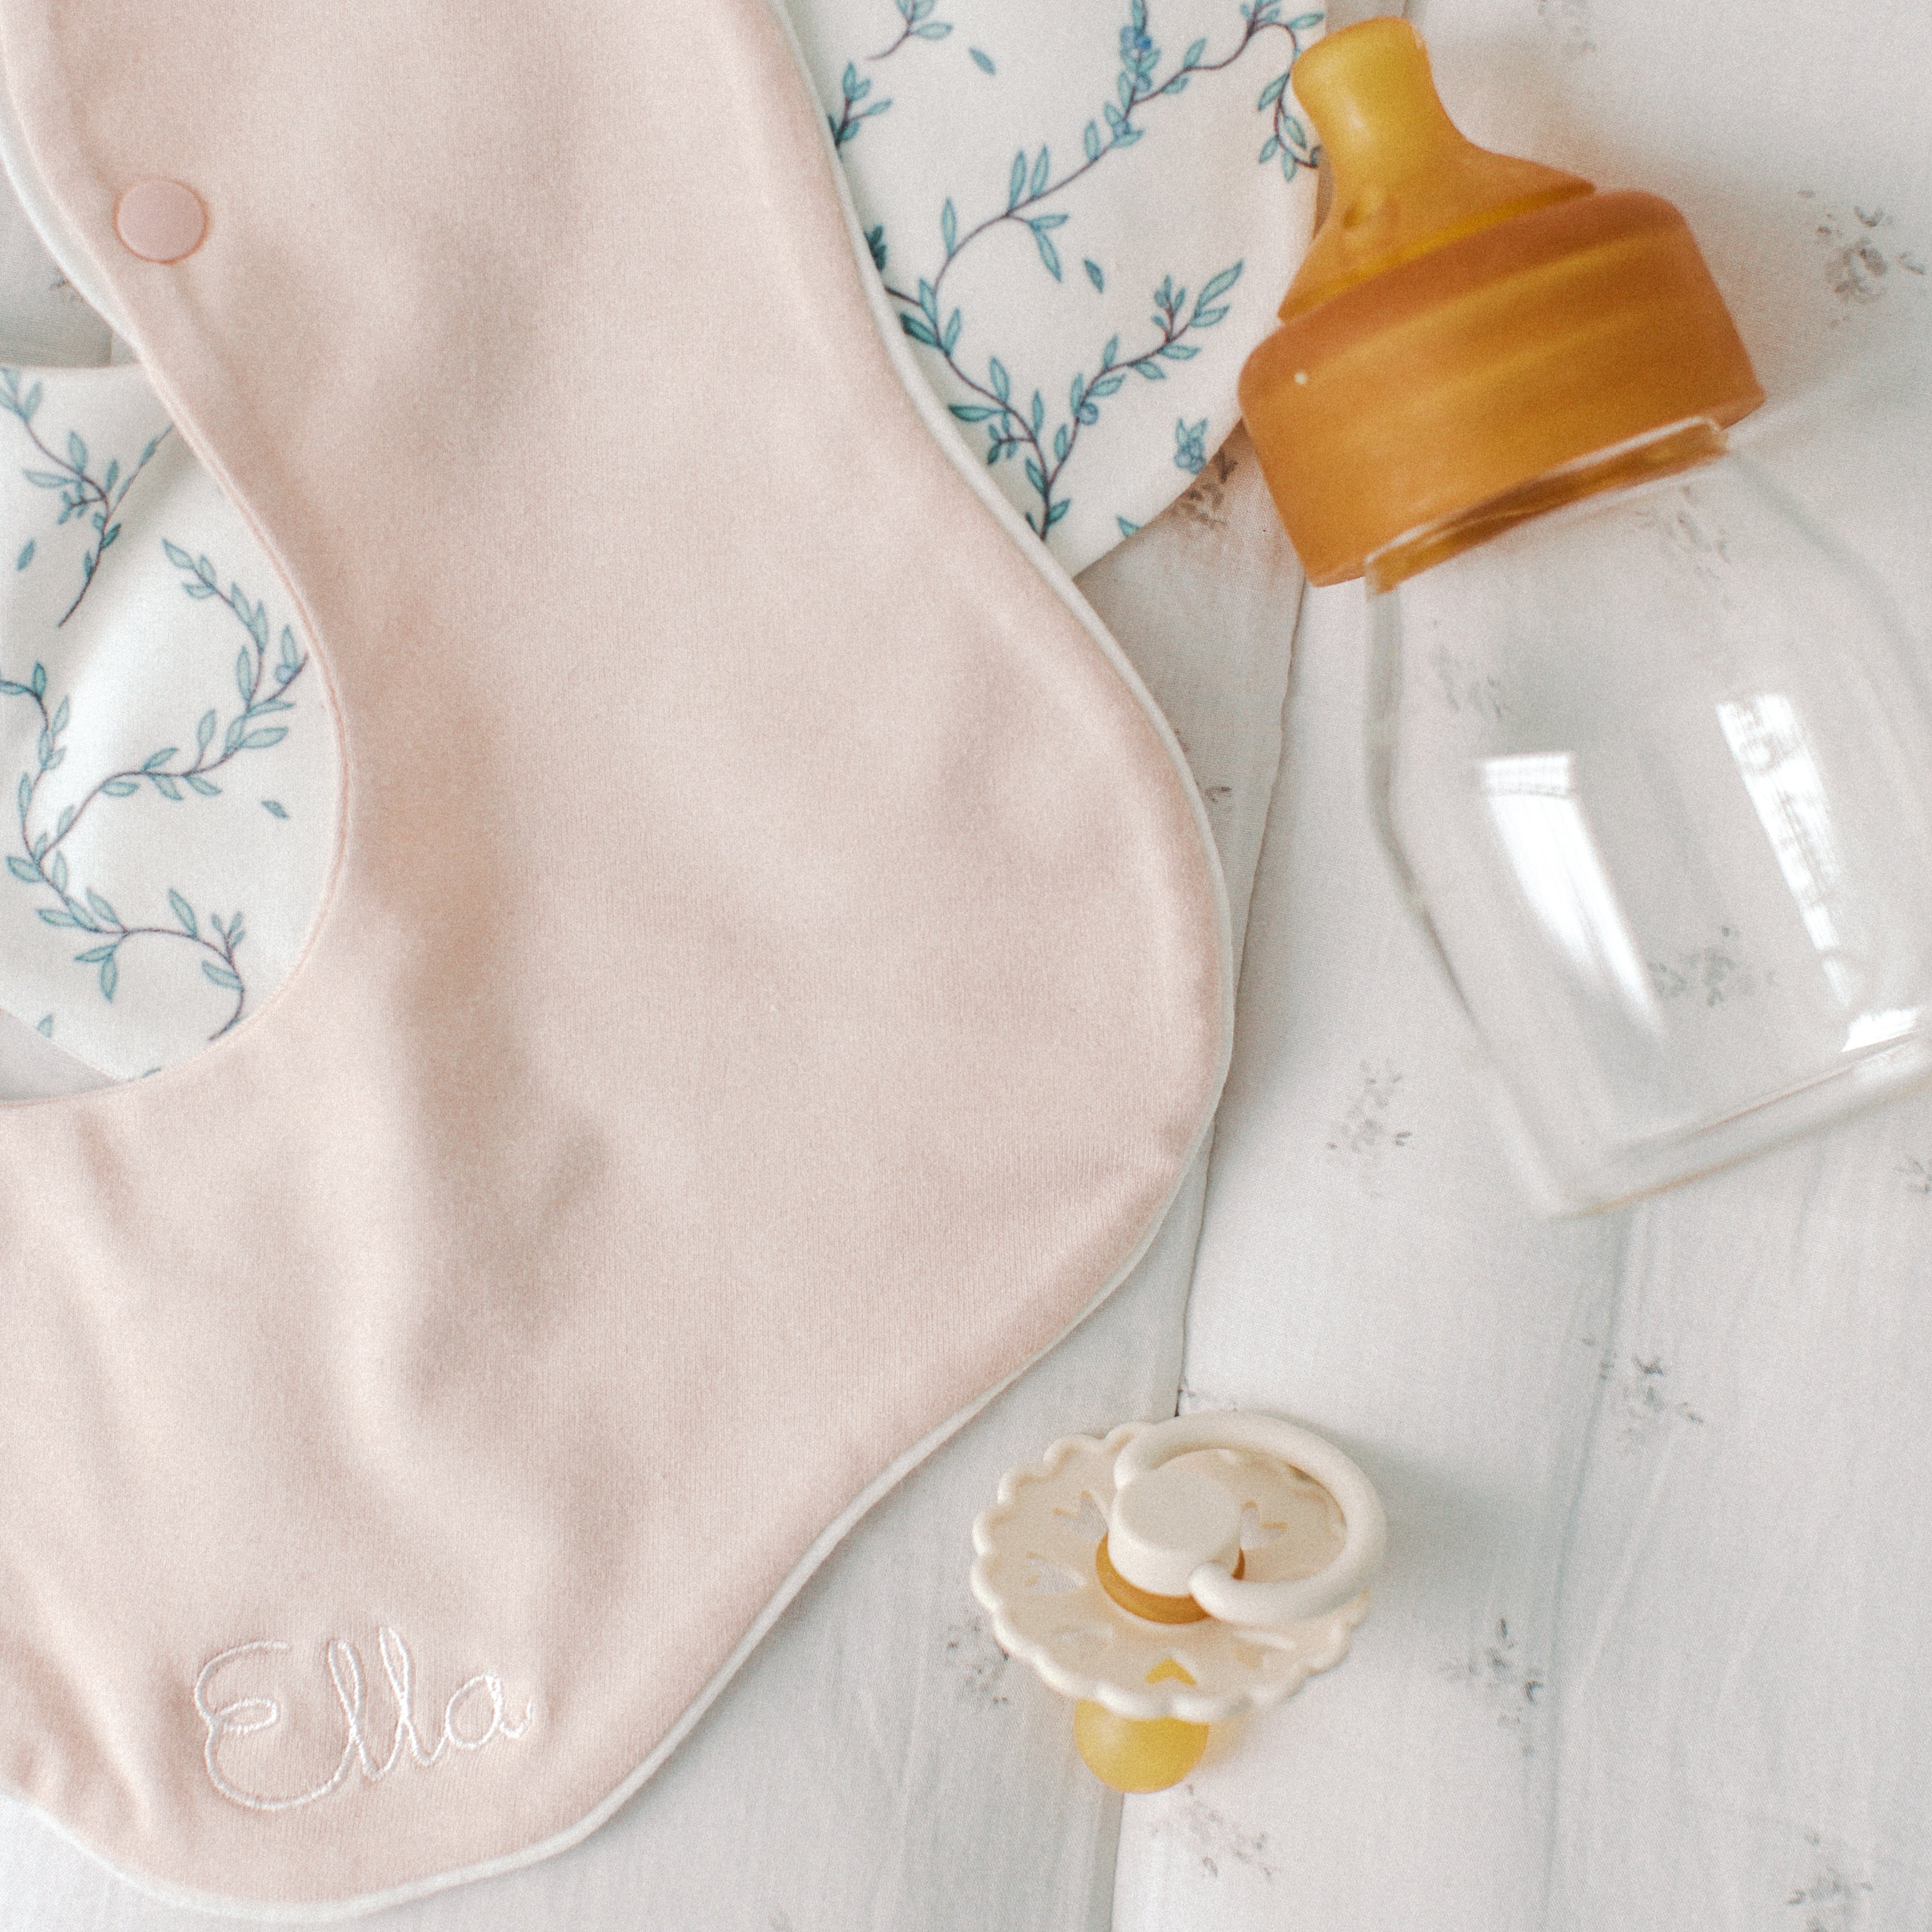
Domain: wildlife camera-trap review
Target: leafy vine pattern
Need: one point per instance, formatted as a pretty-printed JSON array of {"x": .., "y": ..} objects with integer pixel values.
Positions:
[
  {"x": 1012, "y": 430},
  {"x": 856, "y": 106},
  {"x": 916, "y": 23},
  {"x": 262, "y": 683},
  {"x": 96, "y": 499},
  {"x": 1019, "y": 423}
]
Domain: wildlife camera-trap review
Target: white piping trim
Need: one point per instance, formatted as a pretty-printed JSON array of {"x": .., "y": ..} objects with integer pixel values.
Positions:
[{"x": 899, "y": 354}]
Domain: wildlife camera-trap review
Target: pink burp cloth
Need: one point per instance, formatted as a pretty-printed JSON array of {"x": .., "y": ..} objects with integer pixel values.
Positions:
[{"x": 774, "y": 978}]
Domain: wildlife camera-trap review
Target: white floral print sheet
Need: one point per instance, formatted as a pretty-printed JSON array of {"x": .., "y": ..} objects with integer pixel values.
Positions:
[
  {"x": 1086, "y": 215},
  {"x": 1649, "y": 1653},
  {"x": 169, "y": 758}
]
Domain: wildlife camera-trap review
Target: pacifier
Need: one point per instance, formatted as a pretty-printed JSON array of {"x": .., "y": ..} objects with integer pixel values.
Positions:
[{"x": 1171, "y": 1576}]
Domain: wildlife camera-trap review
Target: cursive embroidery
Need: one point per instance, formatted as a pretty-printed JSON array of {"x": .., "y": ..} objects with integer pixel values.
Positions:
[{"x": 476, "y": 1714}]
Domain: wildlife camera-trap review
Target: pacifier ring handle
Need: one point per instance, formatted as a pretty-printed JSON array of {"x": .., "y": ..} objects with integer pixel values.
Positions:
[{"x": 1268, "y": 1606}]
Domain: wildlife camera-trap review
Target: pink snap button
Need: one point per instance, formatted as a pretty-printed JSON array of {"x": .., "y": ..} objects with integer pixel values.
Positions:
[{"x": 161, "y": 220}]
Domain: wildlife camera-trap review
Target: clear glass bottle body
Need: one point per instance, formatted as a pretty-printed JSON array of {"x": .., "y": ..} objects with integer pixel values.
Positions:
[{"x": 1656, "y": 768}]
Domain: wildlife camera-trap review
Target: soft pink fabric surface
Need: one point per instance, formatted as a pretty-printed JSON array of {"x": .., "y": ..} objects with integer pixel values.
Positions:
[{"x": 774, "y": 980}]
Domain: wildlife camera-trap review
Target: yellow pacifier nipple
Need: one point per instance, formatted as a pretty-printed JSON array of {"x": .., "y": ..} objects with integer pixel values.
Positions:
[{"x": 1117, "y": 1569}]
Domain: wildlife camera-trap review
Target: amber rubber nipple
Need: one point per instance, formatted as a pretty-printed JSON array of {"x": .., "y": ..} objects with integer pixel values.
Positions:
[
  {"x": 1405, "y": 179},
  {"x": 1464, "y": 322}
]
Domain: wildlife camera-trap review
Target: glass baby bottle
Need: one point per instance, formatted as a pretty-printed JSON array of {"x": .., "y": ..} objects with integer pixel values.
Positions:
[{"x": 1648, "y": 748}]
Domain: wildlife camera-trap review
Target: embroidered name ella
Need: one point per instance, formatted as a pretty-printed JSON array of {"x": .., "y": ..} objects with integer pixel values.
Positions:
[{"x": 475, "y": 1715}]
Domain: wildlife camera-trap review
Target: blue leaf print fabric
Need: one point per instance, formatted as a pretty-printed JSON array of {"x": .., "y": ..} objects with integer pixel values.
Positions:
[
  {"x": 1084, "y": 217},
  {"x": 170, "y": 764}
]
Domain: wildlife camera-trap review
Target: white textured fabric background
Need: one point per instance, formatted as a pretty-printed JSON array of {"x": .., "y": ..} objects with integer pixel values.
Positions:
[{"x": 1651, "y": 1648}]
